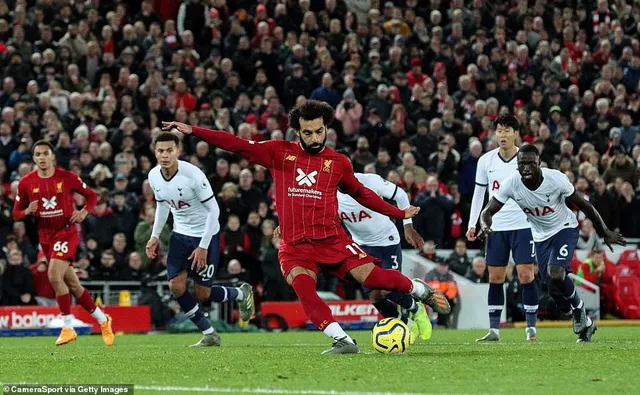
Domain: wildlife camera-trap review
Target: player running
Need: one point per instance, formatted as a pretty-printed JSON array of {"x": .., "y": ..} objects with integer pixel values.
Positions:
[
  {"x": 307, "y": 176},
  {"x": 47, "y": 194},
  {"x": 379, "y": 237},
  {"x": 194, "y": 248},
  {"x": 512, "y": 231},
  {"x": 541, "y": 194}
]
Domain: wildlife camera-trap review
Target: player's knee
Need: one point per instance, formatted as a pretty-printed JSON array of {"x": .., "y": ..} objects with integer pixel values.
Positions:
[
  {"x": 202, "y": 294},
  {"x": 300, "y": 271},
  {"x": 177, "y": 287},
  {"x": 557, "y": 272},
  {"x": 497, "y": 276},
  {"x": 361, "y": 273},
  {"x": 526, "y": 274},
  {"x": 55, "y": 278}
]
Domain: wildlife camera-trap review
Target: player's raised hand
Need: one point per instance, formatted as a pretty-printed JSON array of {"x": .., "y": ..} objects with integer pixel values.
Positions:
[
  {"x": 411, "y": 212},
  {"x": 179, "y": 126},
  {"x": 471, "y": 234},
  {"x": 199, "y": 258},
  {"x": 78, "y": 216},
  {"x": 413, "y": 237},
  {"x": 152, "y": 248},
  {"x": 33, "y": 207},
  {"x": 613, "y": 237}
]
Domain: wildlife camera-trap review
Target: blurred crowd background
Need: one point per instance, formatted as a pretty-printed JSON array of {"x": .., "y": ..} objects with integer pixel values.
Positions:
[{"x": 416, "y": 86}]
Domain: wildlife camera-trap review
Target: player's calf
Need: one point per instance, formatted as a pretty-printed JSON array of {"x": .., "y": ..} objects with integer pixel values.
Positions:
[
  {"x": 530, "y": 298},
  {"x": 562, "y": 282}
]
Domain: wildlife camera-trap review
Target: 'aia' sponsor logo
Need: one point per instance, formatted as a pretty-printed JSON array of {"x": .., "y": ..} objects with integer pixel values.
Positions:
[{"x": 538, "y": 212}]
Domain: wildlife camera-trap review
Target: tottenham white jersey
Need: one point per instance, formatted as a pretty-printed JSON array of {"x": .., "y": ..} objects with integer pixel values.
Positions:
[
  {"x": 491, "y": 172},
  {"x": 184, "y": 193},
  {"x": 368, "y": 227},
  {"x": 545, "y": 207}
]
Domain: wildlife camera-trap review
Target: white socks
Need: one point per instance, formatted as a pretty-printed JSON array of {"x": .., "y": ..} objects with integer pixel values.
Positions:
[
  {"x": 99, "y": 315},
  {"x": 240, "y": 294},
  {"x": 67, "y": 320},
  {"x": 418, "y": 289},
  {"x": 208, "y": 331},
  {"x": 335, "y": 331}
]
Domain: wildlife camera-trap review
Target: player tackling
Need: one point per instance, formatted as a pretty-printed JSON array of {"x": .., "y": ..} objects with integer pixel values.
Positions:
[
  {"x": 47, "y": 194},
  {"x": 512, "y": 231},
  {"x": 194, "y": 248},
  {"x": 541, "y": 194},
  {"x": 378, "y": 236},
  {"x": 307, "y": 176}
]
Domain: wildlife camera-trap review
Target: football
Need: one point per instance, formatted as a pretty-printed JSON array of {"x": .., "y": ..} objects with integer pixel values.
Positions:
[{"x": 390, "y": 336}]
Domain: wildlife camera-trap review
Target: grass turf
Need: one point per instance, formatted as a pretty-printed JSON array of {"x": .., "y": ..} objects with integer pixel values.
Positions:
[{"x": 284, "y": 363}]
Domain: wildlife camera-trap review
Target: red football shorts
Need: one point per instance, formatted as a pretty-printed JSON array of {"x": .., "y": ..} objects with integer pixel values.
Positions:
[
  {"x": 61, "y": 245},
  {"x": 337, "y": 255}
]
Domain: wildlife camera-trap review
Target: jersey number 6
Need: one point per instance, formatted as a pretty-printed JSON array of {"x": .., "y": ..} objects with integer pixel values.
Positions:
[{"x": 61, "y": 246}]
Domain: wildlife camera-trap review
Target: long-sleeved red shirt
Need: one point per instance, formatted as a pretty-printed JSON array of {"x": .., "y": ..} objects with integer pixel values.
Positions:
[
  {"x": 55, "y": 200},
  {"x": 306, "y": 185}
]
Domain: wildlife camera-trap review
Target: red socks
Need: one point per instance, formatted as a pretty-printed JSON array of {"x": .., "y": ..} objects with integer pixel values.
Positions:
[
  {"x": 64, "y": 303},
  {"x": 388, "y": 280},
  {"x": 86, "y": 301},
  {"x": 315, "y": 308}
]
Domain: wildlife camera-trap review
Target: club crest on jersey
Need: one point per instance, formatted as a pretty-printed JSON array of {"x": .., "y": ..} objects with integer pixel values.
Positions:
[
  {"x": 35, "y": 190},
  {"x": 59, "y": 187},
  {"x": 178, "y": 205},
  {"x": 291, "y": 158},
  {"x": 538, "y": 212},
  {"x": 327, "y": 165}
]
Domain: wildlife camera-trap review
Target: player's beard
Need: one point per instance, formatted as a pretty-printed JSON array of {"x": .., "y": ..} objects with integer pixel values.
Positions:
[{"x": 314, "y": 149}]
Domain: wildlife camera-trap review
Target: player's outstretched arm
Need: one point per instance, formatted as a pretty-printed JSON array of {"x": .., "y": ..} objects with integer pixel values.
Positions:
[
  {"x": 609, "y": 236},
  {"x": 486, "y": 218},
  {"x": 255, "y": 152}
]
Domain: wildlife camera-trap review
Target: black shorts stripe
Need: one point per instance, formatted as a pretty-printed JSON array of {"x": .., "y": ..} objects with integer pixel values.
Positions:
[{"x": 207, "y": 199}]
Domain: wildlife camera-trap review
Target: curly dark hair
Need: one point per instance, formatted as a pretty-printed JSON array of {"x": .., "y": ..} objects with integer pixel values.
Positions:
[
  {"x": 312, "y": 109},
  {"x": 508, "y": 121}
]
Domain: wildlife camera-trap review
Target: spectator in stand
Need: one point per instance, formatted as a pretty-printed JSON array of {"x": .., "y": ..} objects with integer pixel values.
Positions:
[
  {"x": 478, "y": 272},
  {"x": 599, "y": 271},
  {"x": 429, "y": 252},
  {"x": 17, "y": 287},
  {"x": 588, "y": 238},
  {"x": 435, "y": 210},
  {"x": 43, "y": 291},
  {"x": 233, "y": 239},
  {"x": 459, "y": 261}
]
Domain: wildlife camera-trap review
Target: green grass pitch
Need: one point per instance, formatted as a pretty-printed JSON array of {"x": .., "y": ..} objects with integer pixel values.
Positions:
[{"x": 290, "y": 363}]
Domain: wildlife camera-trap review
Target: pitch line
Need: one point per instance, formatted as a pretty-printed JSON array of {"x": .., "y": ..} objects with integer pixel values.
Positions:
[{"x": 270, "y": 391}]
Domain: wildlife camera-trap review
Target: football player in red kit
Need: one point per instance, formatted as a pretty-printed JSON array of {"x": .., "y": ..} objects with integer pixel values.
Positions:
[
  {"x": 307, "y": 176},
  {"x": 47, "y": 194}
]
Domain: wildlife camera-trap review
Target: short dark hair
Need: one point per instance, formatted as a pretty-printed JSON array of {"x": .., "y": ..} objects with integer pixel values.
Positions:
[
  {"x": 312, "y": 109},
  {"x": 529, "y": 149},
  {"x": 168, "y": 136},
  {"x": 42, "y": 142},
  {"x": 509, "y": 121}
]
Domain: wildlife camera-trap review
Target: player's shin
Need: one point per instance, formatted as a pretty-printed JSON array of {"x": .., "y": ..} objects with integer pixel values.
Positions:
[
  {"x": 222, "y": 294},
  {"x": 530, "y": 298},
  {"x": 86, "y": 301},
  {"x": 406, "y": 301},
  {"x": 190, "y": 307},
  {"x": 496, "y": 304},
  {"x": 387, "y": 308},
  {"x": 64, "y": 304},
  {"x": 316, "y": 309}
]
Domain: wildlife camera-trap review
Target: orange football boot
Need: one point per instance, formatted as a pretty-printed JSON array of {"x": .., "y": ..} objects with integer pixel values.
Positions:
[
  {"x": 107, "y": 332},
  {"x": 66, "y": 335}
]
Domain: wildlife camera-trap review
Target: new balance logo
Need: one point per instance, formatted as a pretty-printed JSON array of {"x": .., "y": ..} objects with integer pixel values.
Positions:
[
  {"x": 306, "y": 179},
  {"x": 49, "y": 204}
]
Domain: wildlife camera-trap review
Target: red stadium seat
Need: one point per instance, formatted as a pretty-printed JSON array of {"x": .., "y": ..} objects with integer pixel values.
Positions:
[
  {"x": 627, "y": 291},
  {"x": 629, "y": 258}
]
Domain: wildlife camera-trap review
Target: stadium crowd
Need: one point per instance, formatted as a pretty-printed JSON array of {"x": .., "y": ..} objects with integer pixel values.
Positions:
[{"x": 416, "y": 85}]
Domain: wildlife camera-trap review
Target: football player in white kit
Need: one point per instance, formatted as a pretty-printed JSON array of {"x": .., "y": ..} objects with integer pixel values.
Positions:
[
  {"x": 542, "y": 195},
  {"x": 378, "y": 236},
  {"x": 512, "y": 232},
  {"x": 182, "y": 189}
]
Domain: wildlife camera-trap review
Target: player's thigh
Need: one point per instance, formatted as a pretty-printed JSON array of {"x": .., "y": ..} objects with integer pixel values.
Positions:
[
  {"x": 498, "y": 249},
  {"x": 206, "y": 276},
  {"x": 544, "y": 251},
  {"x": 389, "y": 256},
  {"x": 180, "y": 248},
  {"x": 297, "y": 259},
  {"x": 344, "y": 258},
  {"x": 564, "y": 246},
  {"x": 63, "y": 246},
  {"x": 522, "y": 246}
]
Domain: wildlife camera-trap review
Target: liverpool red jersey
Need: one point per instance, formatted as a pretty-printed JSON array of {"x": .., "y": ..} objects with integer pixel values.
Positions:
[
  {"x": 306, "y": 185},
  {"x": 55, "y": 200}
]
